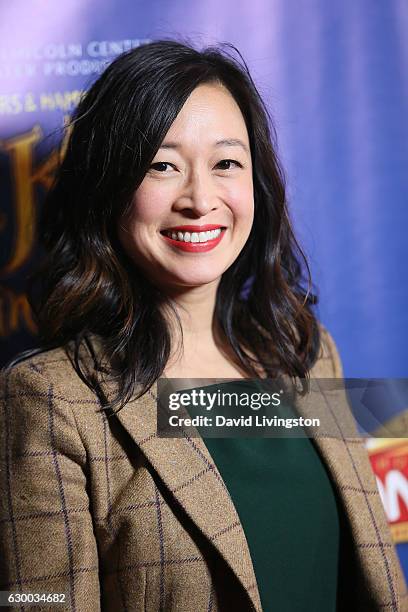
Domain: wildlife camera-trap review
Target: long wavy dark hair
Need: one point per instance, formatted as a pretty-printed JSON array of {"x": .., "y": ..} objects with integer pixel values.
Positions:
[{"x": 87, "y": 287}]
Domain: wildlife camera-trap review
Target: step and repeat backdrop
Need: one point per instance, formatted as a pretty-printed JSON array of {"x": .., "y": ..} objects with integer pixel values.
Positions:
[{"x": 335, "y": 77}]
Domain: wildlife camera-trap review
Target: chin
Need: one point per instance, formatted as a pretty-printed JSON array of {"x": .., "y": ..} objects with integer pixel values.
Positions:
[
  {"x": 197, "y": 282},
  {"x": 193, "y": 280}
]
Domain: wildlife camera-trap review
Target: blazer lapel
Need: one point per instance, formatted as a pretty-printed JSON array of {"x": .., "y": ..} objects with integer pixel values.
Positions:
[
  {"x": 343, "y": 451},
  {"x": 187, "y": 469}
]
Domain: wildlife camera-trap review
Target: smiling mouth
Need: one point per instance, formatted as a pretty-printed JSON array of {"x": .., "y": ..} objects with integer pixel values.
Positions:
[{"x": 193, "y": 237}]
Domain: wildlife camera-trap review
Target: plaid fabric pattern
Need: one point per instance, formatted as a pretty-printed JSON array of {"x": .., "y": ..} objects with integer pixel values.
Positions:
[{"x": 101, "y": 509}]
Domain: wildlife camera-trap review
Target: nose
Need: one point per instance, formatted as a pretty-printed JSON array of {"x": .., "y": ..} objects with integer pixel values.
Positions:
[{"x": 198, "y": 195}]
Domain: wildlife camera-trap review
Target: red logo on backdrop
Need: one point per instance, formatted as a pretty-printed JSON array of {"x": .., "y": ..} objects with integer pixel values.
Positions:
[{"x": 389, "y": 460}]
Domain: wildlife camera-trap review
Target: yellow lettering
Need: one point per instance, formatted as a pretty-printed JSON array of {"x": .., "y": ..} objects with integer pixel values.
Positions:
[
  {"x": 29, "y": 103},
  {"x": 14, "y": 309},
  {"x": 47, "y": 102},
  {"x": 20, "y": 149}
]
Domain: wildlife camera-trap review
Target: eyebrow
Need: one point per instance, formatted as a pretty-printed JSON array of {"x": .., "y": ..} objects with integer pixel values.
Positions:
[{"x": 226, "y": 142}]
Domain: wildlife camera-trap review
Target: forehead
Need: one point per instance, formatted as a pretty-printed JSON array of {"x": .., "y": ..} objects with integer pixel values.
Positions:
[{"x": 209, "y": 113}]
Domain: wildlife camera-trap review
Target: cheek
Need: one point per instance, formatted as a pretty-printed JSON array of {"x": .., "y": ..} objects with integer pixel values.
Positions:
[
  {"x": 241, "y": 200},
  {"x": 133, "y": 227},
  {"x": 149, "y": 203}
]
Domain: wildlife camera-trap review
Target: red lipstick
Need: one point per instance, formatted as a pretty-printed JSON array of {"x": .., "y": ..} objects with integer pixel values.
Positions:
[
  {"x": 194, "y": 247},
  {"x": 192, "y": 228}
]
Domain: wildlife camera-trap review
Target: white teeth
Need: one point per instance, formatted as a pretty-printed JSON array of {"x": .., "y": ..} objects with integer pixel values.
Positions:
[{"x": 194, "y": 236}]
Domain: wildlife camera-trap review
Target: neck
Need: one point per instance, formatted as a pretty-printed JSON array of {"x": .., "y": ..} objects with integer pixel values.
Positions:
[{"x": 195, "y": 308}]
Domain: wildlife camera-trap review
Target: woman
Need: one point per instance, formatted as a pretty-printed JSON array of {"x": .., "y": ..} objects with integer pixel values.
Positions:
[{"x": 167, "y": 145}]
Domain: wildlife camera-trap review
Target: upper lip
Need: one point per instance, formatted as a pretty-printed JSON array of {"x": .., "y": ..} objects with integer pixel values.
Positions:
[{"x": 193, "y": 228}]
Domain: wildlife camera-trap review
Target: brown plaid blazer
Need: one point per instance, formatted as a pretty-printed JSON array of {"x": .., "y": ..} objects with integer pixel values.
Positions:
[{"x": 118, "y": 519}]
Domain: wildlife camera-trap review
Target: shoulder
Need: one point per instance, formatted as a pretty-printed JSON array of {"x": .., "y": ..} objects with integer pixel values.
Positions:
[
  {"x": 46, "y": 407},
  {"x": 34, "y": 366},
  {"x": 45, "y": 372},
  {"x": 328, "y": 363},
  {"x": 36, "y": 360}
]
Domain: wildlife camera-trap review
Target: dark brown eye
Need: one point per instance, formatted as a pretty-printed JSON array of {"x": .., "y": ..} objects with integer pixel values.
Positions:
[
  {"x": 160, "y": 166},
  {"x": 226, "y": 164}
]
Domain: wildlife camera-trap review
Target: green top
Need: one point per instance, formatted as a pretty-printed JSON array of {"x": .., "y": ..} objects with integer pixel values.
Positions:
[{"x": 288, "y": 508}]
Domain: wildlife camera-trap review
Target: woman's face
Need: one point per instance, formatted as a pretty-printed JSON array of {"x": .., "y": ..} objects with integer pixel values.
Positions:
[{"x": 201, "y": 176}]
